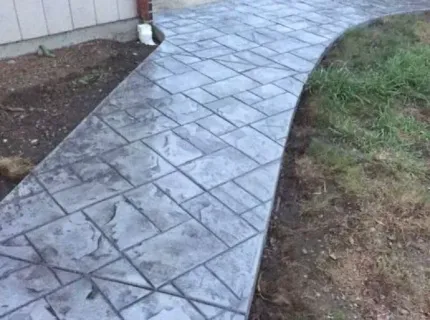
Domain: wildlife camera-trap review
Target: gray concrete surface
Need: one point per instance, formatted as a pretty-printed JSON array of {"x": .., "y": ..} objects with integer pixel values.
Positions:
[
  {"x": 156, "y": 207},
  {"x": 177, "y": 4}
]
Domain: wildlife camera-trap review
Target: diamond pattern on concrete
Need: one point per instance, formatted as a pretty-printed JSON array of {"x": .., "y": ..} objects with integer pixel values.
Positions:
[
  {"x": 169, "y": 184},
  {"x": 227, "y": 226},
  {"x": 74, "y": 243},
  {"x": 219, "y": 167},
  {"x": 174, "y": 252}
]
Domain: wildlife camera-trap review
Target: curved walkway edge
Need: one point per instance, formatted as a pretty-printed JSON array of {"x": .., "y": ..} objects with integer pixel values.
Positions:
[{"x": 156, "y": 206}]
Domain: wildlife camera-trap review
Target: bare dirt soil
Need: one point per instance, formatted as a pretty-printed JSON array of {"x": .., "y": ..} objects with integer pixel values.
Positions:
[{"x": 43, "y": 98}]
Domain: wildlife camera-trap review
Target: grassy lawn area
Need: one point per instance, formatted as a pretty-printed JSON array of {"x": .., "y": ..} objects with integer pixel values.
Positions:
[{"x": 351, "y": 238}]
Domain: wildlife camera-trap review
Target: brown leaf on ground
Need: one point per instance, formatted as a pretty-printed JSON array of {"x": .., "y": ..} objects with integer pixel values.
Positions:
[{"x": 14, "y": 167}]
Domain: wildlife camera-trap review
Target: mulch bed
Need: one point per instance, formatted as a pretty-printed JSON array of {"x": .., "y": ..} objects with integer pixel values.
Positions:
[{"x": 42, "y": 98}]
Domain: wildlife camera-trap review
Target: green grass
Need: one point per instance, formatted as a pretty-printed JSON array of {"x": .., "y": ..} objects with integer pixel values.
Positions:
[{"x": 370, "y": 94}]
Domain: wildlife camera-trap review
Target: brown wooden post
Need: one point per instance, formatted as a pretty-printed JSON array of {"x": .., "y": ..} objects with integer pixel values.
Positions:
[{"x": 144, "y": 9}]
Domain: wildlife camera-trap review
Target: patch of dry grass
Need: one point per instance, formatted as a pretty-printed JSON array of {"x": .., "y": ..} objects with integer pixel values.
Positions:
[{"x": 14, "y": 168}]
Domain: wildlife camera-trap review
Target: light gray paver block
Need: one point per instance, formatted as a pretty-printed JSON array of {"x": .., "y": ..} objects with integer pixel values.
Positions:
[
  {"x": 323, "y": 32},
  {"x": 316, "y": 17},
  {"x": 153, "y": 71},
  {"x": 307, "y": 36},
  {"x": 118, "y": 119},
  {"x": 174, "y": 252},
  {"x": 312, "y": 53},
  {"x": 181, "y": 108},
  {"x": 230, "y": 86},
  {"x": 120, "y": 294},
  {"x": 259, "y": 216},
  {"x": 277, "y": 126},
  {"x": 291, "y": 85},
  {"x": 76, "y": 198},
  {"x": 174, "y": 65},
  {"x": 277, "y": 104},
  {"x": 261, "y": 182},
  {"x": 151, "y": 165},
  {"x": 235, "y": 63},
  {"x": 200, "y": 95},
  {"x": 73, "y": 242},
  {"x": 37, "y": 310},
  {"x": 209, "y": 311},
  {"x": 200, "y": 45},
  {"x": 178, "y": 187},
  {"x": 265, "y": 52},
  {"x": 71, "y": 302},
  {"x": 205, "y": 34},
  {"x": 219, "y": 167},
  {"x": 168, "y": 288},
  {"x": 255, "y": 36},
  {"x": 234, "y": 197},
  {"x": 254, "y": 144},
  {"x": 200, "y": 138},
  {"x": 91, "y": 168},
  {"x": 65, "y": 276},
  {"x": 192, "y": 27},
  {"x": 158, "y": 207},
  {"x": 285, "y": 45},
  {"x": 91, "y": 137},
  {"x": 9, "y": 265},
  {"x": 201, "y": 284},
  {"x": 238, "y": 266},
  {"x": 213, "y": 52},
  {"x": 227, "y": 226},
  {"x": 302, "y": 77},
  {"x": 19, "y": 248},
  {"x": 184, "y": 81},
  {"x": 214, "y": 70},
  {"x": 143, "y": 113},
  {"x": 128, "y": 98},
  {"x": 253, "y": 58},
  {"x": 296, "y": 23},
  {"x": 59, "y": 179},
  {"x": 229, "y": 316},
  {"x": 20, "y": 287},
  {"x": 185, "y": 58},
  {"x": 173, "y": 148},
  {"x": 248, "y": 97},
  {"x": 123, "y": 224},
  {"x": 216, "y": 124},
  {"x": 267, "y": 91},
  {"x": 161, "y": 306},
  {"x": 25, "y": 214},
  {"x": 235, "y": 111},
  {"x": 283, "y": 30},
  {"x": 235, "y": 42},
  {"x": 268, "y": 74},
  {"x": 294, "y": 62},
  {"x": 121, "y": 270},
  {"x": 146, "y": 128}
]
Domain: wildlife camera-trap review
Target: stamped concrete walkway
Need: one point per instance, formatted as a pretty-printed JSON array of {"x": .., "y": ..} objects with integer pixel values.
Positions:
[{"x": 156, "y": 206}]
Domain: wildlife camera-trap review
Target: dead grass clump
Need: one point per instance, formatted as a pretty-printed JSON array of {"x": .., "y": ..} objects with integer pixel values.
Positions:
[
  {"x": 14, "y": 168},
  {"x": 422, "y": 31}
]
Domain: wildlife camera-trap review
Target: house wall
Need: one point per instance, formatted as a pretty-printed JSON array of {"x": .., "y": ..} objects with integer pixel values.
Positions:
[{"x": 29, "y": 19}]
